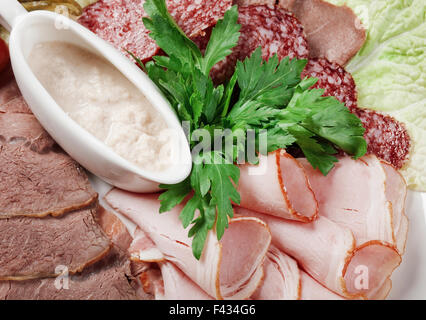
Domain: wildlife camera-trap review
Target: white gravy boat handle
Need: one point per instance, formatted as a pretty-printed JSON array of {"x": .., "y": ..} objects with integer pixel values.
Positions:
[{"x": 10, "y": 12}]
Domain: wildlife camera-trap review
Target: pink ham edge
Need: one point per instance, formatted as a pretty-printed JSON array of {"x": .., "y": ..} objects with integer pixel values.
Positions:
[
  {"x": 328, "y": 252},
  {"x": 177, "y": 286},
  {"x": 274, "y": 187},
  {"x": 353, "y": 195},
  {"x": 282, "y": 278},
  {"x": 142, "y": 249},
  {"x": 231, "y": 268},
  {"x": 365, "y": 195},
  {"x": 312, "y": 290},
  {"x": 396, "y": 193}
]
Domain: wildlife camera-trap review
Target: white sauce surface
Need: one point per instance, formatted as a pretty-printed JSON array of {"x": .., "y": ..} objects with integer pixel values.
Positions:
[{"x": 104, "y": 102}]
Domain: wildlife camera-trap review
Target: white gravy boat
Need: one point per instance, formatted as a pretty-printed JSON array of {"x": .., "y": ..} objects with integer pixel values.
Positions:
[{"x": 29, "y": 29}]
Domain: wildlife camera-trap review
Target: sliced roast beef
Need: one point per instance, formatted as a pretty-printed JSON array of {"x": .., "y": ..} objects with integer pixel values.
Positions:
[
  {"x": 24, "y": 129},
  {"x": 108, "y": 279},
  {"x": 37, "y": 185},
  {"x": 333, "y": 32},
  {"x": 34, "y": 247},
  {"x": 8, "y": 92}
]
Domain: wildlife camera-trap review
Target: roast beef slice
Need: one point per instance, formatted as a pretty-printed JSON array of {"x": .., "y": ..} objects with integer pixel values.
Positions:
[
  {"x": 108, "y": 279},
  {"x": 333, "y": 32},
  {"x": 24, "y": 129},
  {"x": 37, "y": 185},
  {"x": 36, "y": 247}
]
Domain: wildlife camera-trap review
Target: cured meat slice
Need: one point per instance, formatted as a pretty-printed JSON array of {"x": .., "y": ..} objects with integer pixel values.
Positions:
[
  {"x": 282, "y": 278},
  {"x": 196, "y": 16},
  {"x": 8, "y": 92},
  {"x": 396, "y": 193},
  {"x": 228, "y": 269},
  {"x": 33, "y": 248},
  {"x": 328, "y": 253},
  {"x": 16, "y": 105},
  {"x": 333, "y": 32},
  {"x": 120, "y": 22},
  {"x": 312, "y": 290},
  {"x": 107, "y": 279},
  {"x": 353, "y": 195},
  {"x": 254, "y": 2},
  {"x": 275, "y": 30},
  {"x": 143, "y": 249},
  {"x": 38, "y": 185},
  {"x": 177, "y": 286},
  {"x": 386, "y": 137},
  {"x": 114, "y": 228},
  {"x": 24, "y": 129},
  {"x": 275, "y": 187},
  {"x": 334, "y": 79}
]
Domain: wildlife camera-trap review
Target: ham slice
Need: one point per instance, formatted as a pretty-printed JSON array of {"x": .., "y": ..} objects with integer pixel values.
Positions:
[
  {"x": 359, "y": 194},
  {"x": 143, "y": 249},
  {"x": 177, "y": 286},
  {"x": 396, "y": 193},
  {"x": 312, "y": 290},
  {"x": 231, "y": 268},
  {"x": 328, "y": 252},
  {"x": 274, "y": 187},
  {"x": 333, "y": 32},
  {"x": 282, "y": 278}
]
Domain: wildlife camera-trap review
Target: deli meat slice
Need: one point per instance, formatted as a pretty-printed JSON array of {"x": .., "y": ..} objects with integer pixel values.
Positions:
[
  {"x": 274, "y": 29},
  {"x": 120, "y": 22},
  {"x": 177, "y": 286},
  {"x": 24, "y": 129},
  {"x": 8, "y": 92},
  {"x": 333, "y": 32},
  {"x": 16, "y": 105},
  {"x": 275, "y": 187},
  {"x": 37, "y": 185},
  {"x": 312, "y": 290},
  {"x": 143, "y": 249},
  {"x": 33, "y": 248},
  {"x": 386, "y": 137},
  {"x": 107, "y": 279},
  {"x": 228, "y": 269},
  {"x": 328, "y": 253},
  {"x": 359, "y": 195},
  {"x": 282, "y": 278},
  {"x": 353, "y": 195}
]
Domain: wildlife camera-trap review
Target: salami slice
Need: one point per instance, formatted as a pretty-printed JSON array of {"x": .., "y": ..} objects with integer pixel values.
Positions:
[
  {"x": 120, "y": 22},
  {"x": 333, "y": 79},
  {"x": 274, "y": 29},
  {"x": 386, "y": 137}
]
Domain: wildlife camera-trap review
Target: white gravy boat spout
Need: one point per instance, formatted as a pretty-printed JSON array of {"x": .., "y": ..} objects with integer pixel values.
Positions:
[{"x": 29, "y": 29}]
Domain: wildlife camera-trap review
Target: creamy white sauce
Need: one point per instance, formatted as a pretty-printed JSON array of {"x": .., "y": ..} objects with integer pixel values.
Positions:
[{"x": 104, "y": 102}]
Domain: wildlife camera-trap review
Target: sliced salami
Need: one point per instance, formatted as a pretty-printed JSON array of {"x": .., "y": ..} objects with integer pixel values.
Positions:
[
  {"x": 386, "y": 137},
  {"x": 120, "y": 22},
  {"x": 333, "y": 79},
  {"x": 274, "y": 29}
]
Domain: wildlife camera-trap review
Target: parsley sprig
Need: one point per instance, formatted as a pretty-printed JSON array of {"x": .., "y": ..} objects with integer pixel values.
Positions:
[{"x": 261, "y": 96}]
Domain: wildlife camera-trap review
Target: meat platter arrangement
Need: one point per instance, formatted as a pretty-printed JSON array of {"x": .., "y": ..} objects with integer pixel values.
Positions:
[{"x": 304, "y": 122}]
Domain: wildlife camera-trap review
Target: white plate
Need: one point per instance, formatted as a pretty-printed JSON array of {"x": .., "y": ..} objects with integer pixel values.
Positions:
[{"x": 408, "y": 280}]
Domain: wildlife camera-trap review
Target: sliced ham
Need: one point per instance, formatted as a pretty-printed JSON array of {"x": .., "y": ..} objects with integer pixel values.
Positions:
[
  {"x": 328, "y": 252},
  {"x": 16, "y": 105},
  {"x": 333, "y": 32},
  {"x": 8, "y": 92},
  {"x": 282, "y": 278},
  {"x": 275, "y": 187},
  {"x": 312, "y": 290},
  {"x": 177, "y": 286},
  {"x": 359, "y": 194},
  {"x": 396, "y": 193},
  {"x": 228, "y": 269},
  {"x": 143, "y": 249}
]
